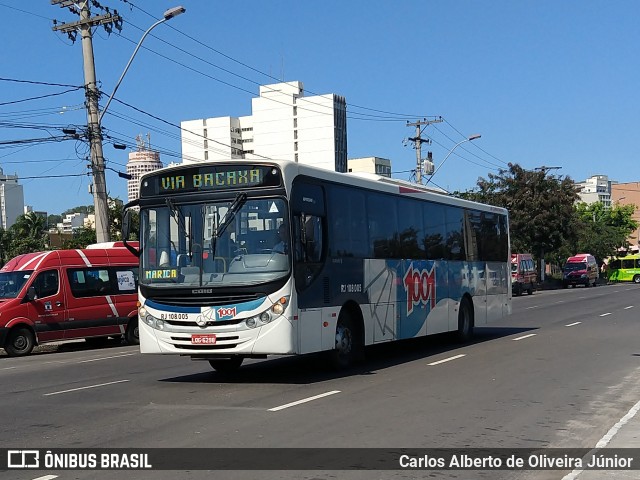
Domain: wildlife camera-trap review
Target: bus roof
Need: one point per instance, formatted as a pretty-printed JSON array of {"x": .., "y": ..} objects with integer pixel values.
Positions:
[{"x": 370, "y": 181}]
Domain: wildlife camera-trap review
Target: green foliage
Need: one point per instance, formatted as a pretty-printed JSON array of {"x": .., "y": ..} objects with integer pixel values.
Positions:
[
  {"x": 541, "y": 212},
  {"x": 54, "y": 220},
  {"x": 603, "y": 231},
  {"x": 86, "y": 209},
  {"x": 81, "y": 238}
]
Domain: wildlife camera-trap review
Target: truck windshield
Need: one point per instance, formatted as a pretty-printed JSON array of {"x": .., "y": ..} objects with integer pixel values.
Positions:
[
  {"x": 572, "y": 267},
  {"x": 234, "y": 242},
  {"x": 12, "y": 282}
]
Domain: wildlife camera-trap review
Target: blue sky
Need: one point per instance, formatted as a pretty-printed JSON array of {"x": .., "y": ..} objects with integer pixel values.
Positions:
[{"x": 544, "y": 82}]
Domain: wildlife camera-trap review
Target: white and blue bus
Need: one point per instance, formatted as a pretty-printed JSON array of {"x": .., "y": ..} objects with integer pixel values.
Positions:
[{"x": 368, "y": 259}]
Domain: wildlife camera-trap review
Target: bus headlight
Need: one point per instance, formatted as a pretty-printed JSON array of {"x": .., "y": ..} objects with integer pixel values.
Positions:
[
  {"x": 279, "y": 306},
  {"x": 159, "y": 324},
  {"x": 265, "y": 317},
  {"x": 251, "y": 322}
]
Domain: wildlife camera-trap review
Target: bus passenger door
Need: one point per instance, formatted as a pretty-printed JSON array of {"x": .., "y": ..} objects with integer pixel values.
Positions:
[{"x": 482, "y": 292}]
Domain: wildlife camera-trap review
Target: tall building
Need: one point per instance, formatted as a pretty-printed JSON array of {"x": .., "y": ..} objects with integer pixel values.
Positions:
[
  {"x": 596, "y": 189},
  {"x": 377, "y": 165},
  {"x": 141, "y": 161},
  {"x": 11, "y": 199},
  {"x": 284, "y": 124},
  {"x": 629, "y": 194}
]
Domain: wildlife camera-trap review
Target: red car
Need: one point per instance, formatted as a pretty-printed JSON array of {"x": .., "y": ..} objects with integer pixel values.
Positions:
[{"x": 68, "y": 294}]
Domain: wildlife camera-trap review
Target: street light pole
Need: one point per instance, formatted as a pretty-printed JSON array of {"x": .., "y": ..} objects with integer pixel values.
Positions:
[
  {"x": 100, "y": 201},
  {"x": 469, "y": 139},
  {"x": 168, "y": 15}
]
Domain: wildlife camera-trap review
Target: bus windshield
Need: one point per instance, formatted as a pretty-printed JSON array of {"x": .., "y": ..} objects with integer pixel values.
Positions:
[
  {"x": 12, "y": 282},
  {"x": 238, "y": 241}
]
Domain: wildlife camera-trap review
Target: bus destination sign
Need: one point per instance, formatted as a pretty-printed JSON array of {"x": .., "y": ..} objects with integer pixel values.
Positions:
[{"x": 210, "y": 178}]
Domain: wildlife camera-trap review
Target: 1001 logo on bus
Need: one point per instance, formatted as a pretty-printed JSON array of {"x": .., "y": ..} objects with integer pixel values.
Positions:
[
  {"x": 420, "y": 286},
  {"x": 226, "y": 312}
]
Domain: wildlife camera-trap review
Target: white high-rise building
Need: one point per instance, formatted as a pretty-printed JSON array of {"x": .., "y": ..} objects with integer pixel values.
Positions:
[
  {"x": 596, "y": 188},
  {"x": 377, "y": 165},
  {"x": 142, "y": 161},
  {"x": 11, "y": 200},
  {"x": 284, "y": 125}
]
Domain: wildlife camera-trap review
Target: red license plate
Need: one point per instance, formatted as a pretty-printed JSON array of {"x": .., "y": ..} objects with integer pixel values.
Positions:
[{"x": 203, "y": 339}]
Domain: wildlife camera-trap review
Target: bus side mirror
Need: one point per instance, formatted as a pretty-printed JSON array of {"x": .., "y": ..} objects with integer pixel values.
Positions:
[{"x": 126, "y": 231}]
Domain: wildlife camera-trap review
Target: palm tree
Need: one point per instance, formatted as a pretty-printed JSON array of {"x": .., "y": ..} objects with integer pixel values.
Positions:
[{"x": 30, "y": 225}]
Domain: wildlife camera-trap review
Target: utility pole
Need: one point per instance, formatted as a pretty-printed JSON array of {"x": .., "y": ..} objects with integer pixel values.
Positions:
[
  {"x": 92, "y": 94},
  {"x": 418, "y": 141},
  {"x": 544, "y": 169}
]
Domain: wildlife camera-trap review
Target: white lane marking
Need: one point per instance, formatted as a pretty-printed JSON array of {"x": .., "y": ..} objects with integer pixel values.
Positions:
[
  {"x": 573, "y": 324},
  {"x": 604, "y": 441},
  {"x": 46, "y": 477},
  {"x": 605, "y": 314},
  {"x": 627, "y": 308},
  {"x": 84, "y": 388},
  {"x": 304, "y": 400},
  {"x": 106, "y": 358},
  {"x": 525, "y": 336},
  {"x": 583, "y": 297},
  {"x": 535, "y": 306},
  {"x": 561, "y": 301},
  {"x": 9, "y": 368},
  {"x": 455, "y": 357}
]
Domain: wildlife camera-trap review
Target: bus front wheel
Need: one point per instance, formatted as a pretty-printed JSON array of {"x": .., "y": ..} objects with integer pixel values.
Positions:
[
  {"x": 347, "y": 347},
  {"x": 226, "y": 365},
  {"x": 636, "y": 279}
]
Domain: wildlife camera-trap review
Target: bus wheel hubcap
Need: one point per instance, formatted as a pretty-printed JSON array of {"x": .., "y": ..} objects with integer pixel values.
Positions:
[{"x": 343, "y": 340}]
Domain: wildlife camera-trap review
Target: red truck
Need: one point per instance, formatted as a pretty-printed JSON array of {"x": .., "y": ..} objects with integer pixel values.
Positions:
[{"x": 68, "y": 294}]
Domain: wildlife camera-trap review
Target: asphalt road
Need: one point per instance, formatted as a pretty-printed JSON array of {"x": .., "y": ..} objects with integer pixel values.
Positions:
[{"x": 559, "y": 372}]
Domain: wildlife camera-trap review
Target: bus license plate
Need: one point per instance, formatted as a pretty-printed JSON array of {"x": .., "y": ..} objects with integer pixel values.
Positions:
[{"x": 203, "y": 339}]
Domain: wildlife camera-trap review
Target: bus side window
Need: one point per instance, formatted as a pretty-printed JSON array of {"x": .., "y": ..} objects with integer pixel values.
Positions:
[{"x": 308, "y": 247}]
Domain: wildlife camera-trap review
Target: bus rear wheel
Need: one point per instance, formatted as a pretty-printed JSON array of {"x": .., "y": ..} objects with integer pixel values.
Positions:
[
  {"x": 465, "y": 321},
  {"x": 226, "y": 365},
  {"x": 636, "y": 279},
  {"x": 20, "y": 342}
]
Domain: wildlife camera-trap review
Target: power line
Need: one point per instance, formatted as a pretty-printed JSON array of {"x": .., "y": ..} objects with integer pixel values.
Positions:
[
  {"x": 40, "y": 83},
  {"x": 40, "y": 97}
]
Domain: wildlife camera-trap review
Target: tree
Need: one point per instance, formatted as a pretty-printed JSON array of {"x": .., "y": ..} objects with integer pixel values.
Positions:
[
  {"x": 31, "y": 225},
  {"x": 86, "y": 209},
  {"x": 81, "y": 238},
  {"x": 604, "y": 230},
  {"x": 26, "y": 235},
  {"x": 541, "y": 207},
  {"x": 54, "y": 220}
]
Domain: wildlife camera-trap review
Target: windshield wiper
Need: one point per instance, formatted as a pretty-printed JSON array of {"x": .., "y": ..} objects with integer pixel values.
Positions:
[{"x": 237, "y": 204}]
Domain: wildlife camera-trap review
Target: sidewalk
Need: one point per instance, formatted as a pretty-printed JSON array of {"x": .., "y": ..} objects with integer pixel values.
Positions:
[{"x": 624, "y": 434}]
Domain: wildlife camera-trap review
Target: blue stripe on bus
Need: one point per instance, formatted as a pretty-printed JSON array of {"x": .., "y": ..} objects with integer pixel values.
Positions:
[{"x": 172, "y": 308}]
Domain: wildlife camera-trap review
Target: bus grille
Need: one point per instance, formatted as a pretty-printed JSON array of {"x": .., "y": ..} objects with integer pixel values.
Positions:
[{"x": 208, "y": 301}]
